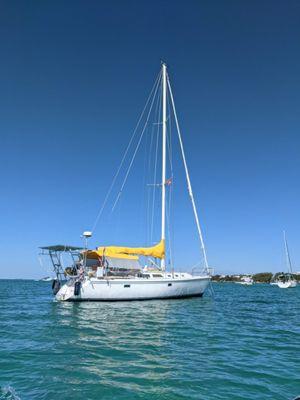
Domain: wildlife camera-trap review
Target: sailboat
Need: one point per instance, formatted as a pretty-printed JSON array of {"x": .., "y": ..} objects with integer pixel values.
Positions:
[
  {"x": 115, "y": 273},
  {"x": 286, "y": 281}
]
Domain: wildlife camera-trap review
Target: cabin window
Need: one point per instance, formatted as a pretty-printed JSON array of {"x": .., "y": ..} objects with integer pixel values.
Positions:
[
  {"x": 169, "y": 284},
  {"x": 126, "y": 286},
  {"x": 157, "y": 276},
  {"x": 176, "y": 275},
  {"x": 146, "y": 276}
]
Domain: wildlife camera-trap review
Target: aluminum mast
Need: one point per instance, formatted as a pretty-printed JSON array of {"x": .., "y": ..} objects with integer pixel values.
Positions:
[{"x": 164, "y": 139}]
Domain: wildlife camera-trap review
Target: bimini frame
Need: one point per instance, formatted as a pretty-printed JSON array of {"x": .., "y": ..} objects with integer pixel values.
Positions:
[{"x": 55, "y": 253}]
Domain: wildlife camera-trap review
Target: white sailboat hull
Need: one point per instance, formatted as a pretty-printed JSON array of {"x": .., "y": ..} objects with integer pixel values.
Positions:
[
  {"x": 286, "y": 285},
  {"x": 135, "y": 289}
]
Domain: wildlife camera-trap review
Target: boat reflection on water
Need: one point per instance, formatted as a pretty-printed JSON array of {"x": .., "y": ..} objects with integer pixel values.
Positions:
[
  {"x": 116, "y": 328},
  {"x": 137, "y": 342},
  {"x": 117, "y": 319}
]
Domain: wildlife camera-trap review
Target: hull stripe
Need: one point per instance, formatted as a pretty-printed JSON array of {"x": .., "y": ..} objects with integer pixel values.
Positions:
[{"x": 140, "y": 299}]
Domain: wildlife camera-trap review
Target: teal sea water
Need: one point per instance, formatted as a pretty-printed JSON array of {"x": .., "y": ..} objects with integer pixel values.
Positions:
[{"x": 242, "y": 344}]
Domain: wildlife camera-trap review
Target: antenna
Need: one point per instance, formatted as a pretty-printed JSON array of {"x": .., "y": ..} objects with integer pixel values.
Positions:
[{"x": 86, "y": 235}]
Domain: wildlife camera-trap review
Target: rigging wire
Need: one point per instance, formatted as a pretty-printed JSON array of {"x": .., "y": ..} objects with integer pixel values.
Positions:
[
  {"x": 136, "y": 149},
  {"x": 155, "y": 171},
  {"x": 150, "y": 154},
  {"x": 188, "y": 178},
  {"x": 170, "y": 191},
  {"x": 143, "y": 191},
  {"x": 168, "y": 214},
  {"x": 146, "y": 189},
  {"x": 169, "y": 139},
  {"x": 157, "y": 80}
]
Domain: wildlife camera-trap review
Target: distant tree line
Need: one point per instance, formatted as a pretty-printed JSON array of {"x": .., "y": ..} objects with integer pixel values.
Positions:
[{"x": 261, "y": 277}]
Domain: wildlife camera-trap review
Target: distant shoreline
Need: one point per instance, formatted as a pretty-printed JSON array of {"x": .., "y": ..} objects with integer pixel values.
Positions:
[{"x": 261, "y": 277}]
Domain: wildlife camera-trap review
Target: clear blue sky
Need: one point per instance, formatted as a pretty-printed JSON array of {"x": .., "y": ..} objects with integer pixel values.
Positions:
[{"x": 74, "y": 77}]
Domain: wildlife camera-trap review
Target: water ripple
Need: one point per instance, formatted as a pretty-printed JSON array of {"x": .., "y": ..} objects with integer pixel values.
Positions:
[{"x": 244, "y": 344}]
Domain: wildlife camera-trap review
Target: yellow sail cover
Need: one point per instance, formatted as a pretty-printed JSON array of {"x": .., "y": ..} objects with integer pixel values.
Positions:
[
  {"x": 157, "y": 251},
  {"x": 95, "y": 254}
]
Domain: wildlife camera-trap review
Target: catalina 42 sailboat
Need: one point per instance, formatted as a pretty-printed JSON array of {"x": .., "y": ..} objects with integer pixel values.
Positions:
[{"x": 110, "y": 273}]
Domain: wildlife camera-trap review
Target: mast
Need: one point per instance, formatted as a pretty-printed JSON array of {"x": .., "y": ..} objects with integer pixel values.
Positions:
[
  {"x": 287, "y": 253},
  {"x": 164, "y": 140}
]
